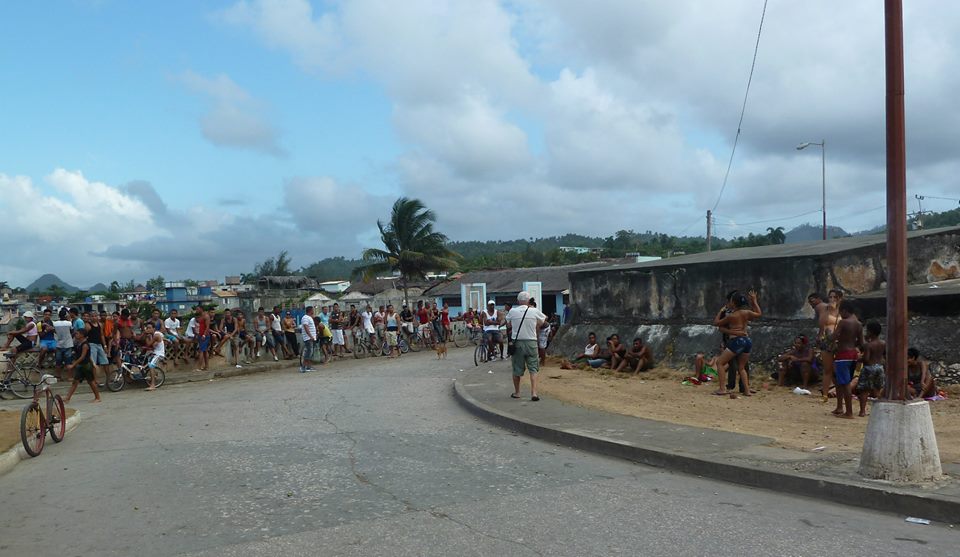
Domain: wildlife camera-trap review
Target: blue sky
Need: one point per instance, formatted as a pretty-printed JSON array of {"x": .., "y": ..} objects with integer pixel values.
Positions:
[{"x": 202, "y": 137}]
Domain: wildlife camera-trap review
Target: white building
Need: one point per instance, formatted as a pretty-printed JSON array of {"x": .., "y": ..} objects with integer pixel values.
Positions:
[{"x": 335, "y": 286}]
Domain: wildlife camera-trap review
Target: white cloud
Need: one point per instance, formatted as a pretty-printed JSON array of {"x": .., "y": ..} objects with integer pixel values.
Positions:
[{"x": 234, "y": 118}]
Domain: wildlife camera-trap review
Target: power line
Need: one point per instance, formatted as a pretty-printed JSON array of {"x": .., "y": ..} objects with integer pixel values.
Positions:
[
  {"x": 778, "y": 219},
  {"x": 942, "y": 198},
  {"x": 743, "y": 108}
]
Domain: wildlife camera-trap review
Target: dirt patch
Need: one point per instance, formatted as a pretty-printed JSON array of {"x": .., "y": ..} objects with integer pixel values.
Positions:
[
  {"x": 795, "y": 421},
  {"x": 10, "y": 428}
]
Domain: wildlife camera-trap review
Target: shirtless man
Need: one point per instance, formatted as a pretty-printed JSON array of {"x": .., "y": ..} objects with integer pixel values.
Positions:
[
  {"x": 848, "y": 339},
  {"x": 872, "y": 376},
  {"x": 618, "y": 350},
  {"x": 123, "y": 335},
  {"x": 738, "y": 347},
  {"x": 796, "y": 361},
  {"x": 638, "y": 357},
  {"x": 827, "y": 316}
]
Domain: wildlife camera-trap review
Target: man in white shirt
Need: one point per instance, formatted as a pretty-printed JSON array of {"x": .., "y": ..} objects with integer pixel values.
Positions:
[
  {"x": 366, "y": 317},
  {"x": 63, "y": 334},
  {"x": 525, "y": 321},
  {"x": 309, "y": 337}
]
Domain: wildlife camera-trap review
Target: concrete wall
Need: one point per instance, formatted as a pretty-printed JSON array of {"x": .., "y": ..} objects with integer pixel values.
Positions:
[{"x": 672, "y": 305}]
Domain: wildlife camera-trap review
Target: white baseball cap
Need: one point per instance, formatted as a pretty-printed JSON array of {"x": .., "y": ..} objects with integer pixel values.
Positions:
[
  {"x": 28, "y": 315},
  {"x": 491, "y": 302}
]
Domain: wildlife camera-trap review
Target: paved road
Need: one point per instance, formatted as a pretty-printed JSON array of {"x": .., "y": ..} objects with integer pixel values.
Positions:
[{"x": 375, "y": 458}]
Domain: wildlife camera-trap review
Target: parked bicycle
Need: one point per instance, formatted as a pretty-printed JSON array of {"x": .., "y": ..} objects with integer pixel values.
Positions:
[
  {"x": 402, "y": 345},
  {"x": 21, "y": 376},
  {"x": 34, "y": 424},
  {"x": 362, "y": 347},
  {"x": 134, "y": 367}
]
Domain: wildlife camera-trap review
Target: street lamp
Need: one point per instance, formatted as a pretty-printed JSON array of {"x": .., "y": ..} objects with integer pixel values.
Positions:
[{"x": 823, "y": 176}]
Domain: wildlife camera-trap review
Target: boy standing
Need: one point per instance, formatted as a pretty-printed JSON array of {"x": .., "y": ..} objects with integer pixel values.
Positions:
[
  {"x": 848, "y": 338},
  {"x": 83, "y": 369},
  {"x": 872, "y": 376}
]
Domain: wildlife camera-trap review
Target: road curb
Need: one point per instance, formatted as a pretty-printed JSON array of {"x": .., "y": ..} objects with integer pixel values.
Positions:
[
  {"x": 13, "y": 456},
  {"x": 249, "y": 369},
  {"x": 879, "y": 497}
]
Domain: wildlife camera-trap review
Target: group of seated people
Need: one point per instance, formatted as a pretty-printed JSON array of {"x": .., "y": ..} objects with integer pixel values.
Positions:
[{"x": 614, "y": 354}]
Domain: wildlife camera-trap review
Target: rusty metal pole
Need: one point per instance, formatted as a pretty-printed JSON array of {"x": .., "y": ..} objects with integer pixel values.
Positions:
[
  {"x": 896, "y": 206},
  {"x": 709, "y": 231}
]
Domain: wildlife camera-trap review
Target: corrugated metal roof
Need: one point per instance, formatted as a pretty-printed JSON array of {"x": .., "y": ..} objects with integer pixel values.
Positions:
[{"x": 553, "y": 279}]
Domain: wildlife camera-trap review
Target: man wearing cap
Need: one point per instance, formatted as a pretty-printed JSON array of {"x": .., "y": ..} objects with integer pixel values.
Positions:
[
  {"x": 525, "y": 322},
  {"x": 26, "y": 336},
  {"x": 492, "y": 319}
]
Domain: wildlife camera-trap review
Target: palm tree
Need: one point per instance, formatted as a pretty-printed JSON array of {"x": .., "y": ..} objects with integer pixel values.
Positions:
[
  {"x": 410, "y": 245},
  {"x": 776, "y": 235}
]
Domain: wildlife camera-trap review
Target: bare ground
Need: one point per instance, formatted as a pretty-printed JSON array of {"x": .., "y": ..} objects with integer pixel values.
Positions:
[{"x": 795, "y": 421}]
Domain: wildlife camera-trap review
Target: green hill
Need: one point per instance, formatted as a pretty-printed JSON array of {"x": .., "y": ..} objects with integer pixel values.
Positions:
[{"x": 44, "y": 283}]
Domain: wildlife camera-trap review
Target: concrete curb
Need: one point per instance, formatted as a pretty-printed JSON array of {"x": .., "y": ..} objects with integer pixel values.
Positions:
[
  {"x": 12, "y": 457},
  {"x": 879, "y": 497},
  {"x": 223, "y": 373}
]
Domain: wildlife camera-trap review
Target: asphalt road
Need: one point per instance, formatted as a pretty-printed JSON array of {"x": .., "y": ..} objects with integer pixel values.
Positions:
[{"x": 375, "y": 457}]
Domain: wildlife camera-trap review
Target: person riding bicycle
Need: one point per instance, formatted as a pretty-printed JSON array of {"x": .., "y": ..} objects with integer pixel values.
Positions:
[
  {"x": 407, "y": 325},
  {"x": 48, "y": 341},
  {"x": 366, "y": 323},
  {"x": 392, "y": 322},
  {"x": 492, "y": 320},
  {"x": 424, "y": 319}
]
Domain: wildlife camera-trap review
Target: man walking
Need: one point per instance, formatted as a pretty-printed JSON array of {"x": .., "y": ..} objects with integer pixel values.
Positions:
[
  {"x": 309, "y": 332},
  {"x": 525, "y": 320}
]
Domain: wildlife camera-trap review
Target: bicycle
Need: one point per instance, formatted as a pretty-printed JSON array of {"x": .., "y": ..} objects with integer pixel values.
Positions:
[
  {"x": 402, "y": 345},
  {"x": 22, "y": 375},
  {"x": 134, "y": 368},
  {"x": 34, "y": 425},
  {"x": 362, "y": 347},
  {"x": 482, "y": 354}
]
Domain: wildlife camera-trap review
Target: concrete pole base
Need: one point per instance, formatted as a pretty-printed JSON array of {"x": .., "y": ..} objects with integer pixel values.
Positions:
[{"x": 900, "y": 445}]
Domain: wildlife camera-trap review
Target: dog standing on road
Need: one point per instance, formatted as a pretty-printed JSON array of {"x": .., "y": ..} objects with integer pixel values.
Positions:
[{"x": 441, "y": 349}]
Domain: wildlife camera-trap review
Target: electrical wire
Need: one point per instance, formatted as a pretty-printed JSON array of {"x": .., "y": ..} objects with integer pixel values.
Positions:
[{"x": 743, "y": 108}]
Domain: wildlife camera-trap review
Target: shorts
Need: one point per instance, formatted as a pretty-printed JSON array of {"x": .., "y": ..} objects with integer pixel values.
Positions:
[
  {"x": 525, "y": 357},
  {"x": 843, "y": 371},
  {"x": 309, "y": 347},
  {"x": 83, "y": 372},
  {"x": 323, "y": 340},
  {"x": 64, "y": 356},
  {"x": 171, "y": 337},
  {"x": 740, "y": 345},
  {"x": 243, "y": 335},
  {"x": 155, "y": 360},
  {"x": 98, "y": 356},
  {"x": 337, "y": 336},
  {"x": 596, "y": 362},
  {"x": 127, "y": 345},
  {"x": 392, "y": 339},
  {"x": 872, "y": 378},
  {"x": 823, "y": 344},
  {"x": 48, "y": 345},
  {"x": 493, "y": 336},
  {"x": 203, "y": 345},
  {"x": 24, "y": 344}
]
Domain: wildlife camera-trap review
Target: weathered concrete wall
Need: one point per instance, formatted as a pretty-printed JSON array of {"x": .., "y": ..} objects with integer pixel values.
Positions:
[{"x": 695, "y": 290}]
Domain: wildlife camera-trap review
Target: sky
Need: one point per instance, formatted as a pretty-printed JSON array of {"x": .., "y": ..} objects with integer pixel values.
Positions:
[{"x": 193, "y": 139}]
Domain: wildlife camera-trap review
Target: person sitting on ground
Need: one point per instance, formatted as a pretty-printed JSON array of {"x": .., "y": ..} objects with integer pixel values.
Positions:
[
  {"x": 638, "y": 357},
  {"x": 704, "y": 368},
  {"x": 617, "y": 350},
  {"x": 846, "y": 340},
  {"x": 920, "y": 382},
  {"x": 738, "y": 347},
  {"x": 798, "y": 362},
  {"x": 590, "y": 351},
  {"x": 872, "y": 376},
  {"x": 603, "y": 357}
]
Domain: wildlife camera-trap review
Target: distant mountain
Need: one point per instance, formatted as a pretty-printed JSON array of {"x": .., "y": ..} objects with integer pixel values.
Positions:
[
  {"x": 44, "y": 283},
  {"x": 810, "y": 232},
  {"x": 99, "y": 287}
]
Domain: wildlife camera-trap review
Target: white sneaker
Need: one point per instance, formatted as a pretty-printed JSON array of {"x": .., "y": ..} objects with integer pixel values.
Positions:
[
  {"x": 258, "y": 353},
  {"x": 239, "y": 366},
  {"x": 276, "y": 359}
]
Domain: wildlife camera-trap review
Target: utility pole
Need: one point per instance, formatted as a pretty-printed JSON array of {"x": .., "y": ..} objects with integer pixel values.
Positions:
[
  {"x": 709, "y": 231},
  {"x": 920, "y": 211},
  {"x": 823, "y": 183}
]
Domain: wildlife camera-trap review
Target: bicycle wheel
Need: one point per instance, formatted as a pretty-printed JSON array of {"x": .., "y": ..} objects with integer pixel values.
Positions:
[
  {"x": 403, "y": 346},
  {"x": 385, "y": 348},
  {"x": 479, "y": 354},
  {"x": 21, "y": 381},
  {"x": 33, "y": 429},
  {"x": 458, "y": 337},
  {"x": 360, "y": 350},
  {"x": 56, "y": 417},
  {"x": 160, "y": 378},
  {"x": 115, "y": 381},
  {"x": 415, "y": 343}
]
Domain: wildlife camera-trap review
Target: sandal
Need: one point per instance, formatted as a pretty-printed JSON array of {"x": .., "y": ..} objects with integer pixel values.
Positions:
[{"x": 514, "y": 395}]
